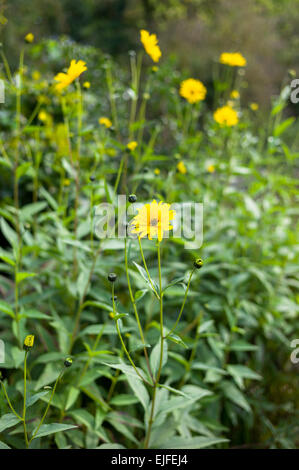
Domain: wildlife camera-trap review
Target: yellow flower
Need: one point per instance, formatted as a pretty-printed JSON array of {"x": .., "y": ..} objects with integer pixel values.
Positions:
[
  {"x": 66, "y": 182},
  {"x": 211, "y": 168},
  {"x": 226, "y": 116},
  {"x": 150, "y": 43},
  {"x": 105, "y": 122},
  {"x": 234, "y": 59},
  {"x": 193, "y": 90},
  {"x": 181, "y": 167},
  {"x": 157, "y": 171},
  {"x": 28, "y": 342},
  {"x": 132, "y": 145},
  {"x": 254, "y": 106},
  {"x": 29, "y": 37},
  {"x": 42, "y": 116},
  {"x": 86, "y": 85},
  {"x": 36, "y": 75},
  {"x": 153, "y": 220},
  {"x": 111, "y": 315},
  {"x": 74, "y": 71},
  {"x": 235, "y": 94}
]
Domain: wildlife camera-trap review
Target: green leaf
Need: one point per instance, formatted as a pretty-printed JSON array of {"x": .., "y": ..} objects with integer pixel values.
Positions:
[
  {"x": 155, "y": 356},
  {"x": 200, "y": 442},
  {"x": 123, "y": 400},
  {"x": 6, "y": 308},
  {"x": 34, "y": 398},
  {"x": 7, "y": 421},
  {"x": 22, "y": 276},
  {"x": 47, "y": 429},
  {"x": 240, "y": 372},
  {"x": 233, "y": 394},
  {"x": 4, "y": 446},
  {"x": 145, "y": 277}
]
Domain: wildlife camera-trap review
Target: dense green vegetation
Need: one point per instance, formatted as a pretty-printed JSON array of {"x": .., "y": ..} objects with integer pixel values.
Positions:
[{"x": 96, "y": 370}]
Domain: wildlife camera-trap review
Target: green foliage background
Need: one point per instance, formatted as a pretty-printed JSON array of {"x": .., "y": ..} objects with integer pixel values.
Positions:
[{"x": 227, "y": 378}]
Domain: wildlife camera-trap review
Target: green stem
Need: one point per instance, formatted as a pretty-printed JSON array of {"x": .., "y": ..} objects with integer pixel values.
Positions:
[
  {"x": 9, "y": 402},
  {"x": 146, "y": 269},
  {"x": 151, "y": 420},
  {"x": 183, "y": 305},
  {"x": 24, "y": 404},
  {"x": 122, "y": 341},
  {"x": 48, "y": 406},
  {"x": 136, "y": 312}
]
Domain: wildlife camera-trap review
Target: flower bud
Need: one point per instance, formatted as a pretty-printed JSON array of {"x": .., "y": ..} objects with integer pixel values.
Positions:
[
  {"x": 198, "y": 263},
  {"x": 132, "y": 198},
  {"x": 28, "y": 342},
  {"x": 68, "y": 362},
  {"x": 112, "y": 277}
]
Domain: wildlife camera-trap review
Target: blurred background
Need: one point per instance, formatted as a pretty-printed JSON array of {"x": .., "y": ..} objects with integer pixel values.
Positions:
[{"x": 265, "y": 31}]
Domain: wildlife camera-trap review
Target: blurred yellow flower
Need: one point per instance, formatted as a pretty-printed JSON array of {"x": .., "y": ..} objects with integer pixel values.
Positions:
[
  {"x": 193, "y": 90},
  {"x": 74, "y": 71},
  {"x": 42, "y": 116},
  {"x": 29, "y": 37},
  {"x": 153, "y": 220},
  {"x": 235, "y": 94},
  {"x": 132, "y": 145},
  {"x": 150, "y": 43},
  {"x": 254, "y": 106},
  {"x": 66, "y": 182},
  {"x": 211, "y": 168},
  {"x": 226, "y": 116},
  {"x": 181, "y": 167},
  {"x": 234, "y": 59},
  {"x": 36, "y": 75},
  {"x": 104, "y": 121},
  {"x": 157, "y": 171},
  {"x": 86, "y": 85}
]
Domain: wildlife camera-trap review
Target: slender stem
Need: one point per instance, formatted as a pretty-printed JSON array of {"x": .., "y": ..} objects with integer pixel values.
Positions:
[
  {"x": 24, "y": 404},
  {"x": 146, "y": 269},
  {"x": 95, "y": 345},
  {"x": 151, "y": 420},
  {"x": 9, "y": 402},
  {"x": 78, "y": 314},
  {"x": 183, "y": 305},
  {"x": 47, "y": 408},
  {"x": 122, "y": 341},
  {"x": 136, "y": 312}
]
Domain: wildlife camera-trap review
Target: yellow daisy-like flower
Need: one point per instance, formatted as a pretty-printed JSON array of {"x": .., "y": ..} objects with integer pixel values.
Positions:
[
  {"x": 235, "y": 95},
  {"x": 28, "y": 342},
  {"x": 86, "y": 85},
  {"x": 104, "y": 121},
  {"x": 29, "y": 37},
  {"x": 211, "y": 168},
  {"x": 254, "y": 106},
  {"x": 153, "y": 220},
  {"x": 157, "y": 171},
  {"x": 226, "y": 116},
  {"x": 132, "y": 145},
  {"x": 233, "y": 59},
  {"x": 181, "y": 168},
  {"x": 193, "y": 90},
  {"x": 150, "y": 43},
  {"x": 74, "y": 71}
]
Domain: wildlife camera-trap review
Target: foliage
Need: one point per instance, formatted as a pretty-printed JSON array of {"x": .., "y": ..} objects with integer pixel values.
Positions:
[{"x": 224, "y": 376}]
